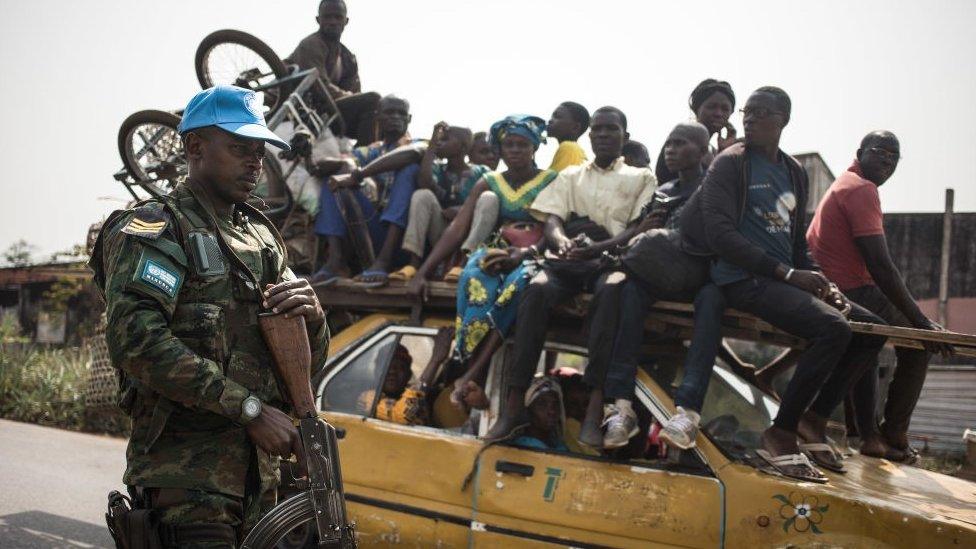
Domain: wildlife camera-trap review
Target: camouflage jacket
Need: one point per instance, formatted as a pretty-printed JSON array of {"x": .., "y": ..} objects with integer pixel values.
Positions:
[{"x": 183, "y": 291}]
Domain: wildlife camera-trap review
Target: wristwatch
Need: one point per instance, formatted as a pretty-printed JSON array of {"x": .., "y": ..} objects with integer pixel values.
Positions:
[{"x": 250, "y": 409}]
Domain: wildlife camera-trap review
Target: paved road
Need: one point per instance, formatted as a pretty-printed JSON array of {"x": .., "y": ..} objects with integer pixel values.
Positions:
[{"x": 53, "y": 486}]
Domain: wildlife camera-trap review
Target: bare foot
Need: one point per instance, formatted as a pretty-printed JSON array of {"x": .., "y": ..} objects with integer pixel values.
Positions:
[
  {"x": 875, "y": 446},
  {"x": 812, "y": 429},
  {"x": 510, "y": 416},
  {"x": 779, "y": 442}
]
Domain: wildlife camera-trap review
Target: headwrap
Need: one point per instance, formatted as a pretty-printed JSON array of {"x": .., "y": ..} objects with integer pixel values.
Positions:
[
  {"x": 706, "y": 88},
  {"x": 527, "y": 126},
  {"x": 540, "y": 386}
]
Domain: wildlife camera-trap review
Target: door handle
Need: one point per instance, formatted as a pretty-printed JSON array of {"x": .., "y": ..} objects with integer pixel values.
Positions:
[{"x": 522, "y": 469}]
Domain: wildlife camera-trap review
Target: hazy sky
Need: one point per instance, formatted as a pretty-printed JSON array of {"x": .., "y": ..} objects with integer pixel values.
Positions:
[{"x": 72, "y": 71}]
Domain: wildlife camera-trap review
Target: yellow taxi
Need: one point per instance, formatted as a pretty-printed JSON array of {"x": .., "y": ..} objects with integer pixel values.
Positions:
[{"x": 440, "y": 487}]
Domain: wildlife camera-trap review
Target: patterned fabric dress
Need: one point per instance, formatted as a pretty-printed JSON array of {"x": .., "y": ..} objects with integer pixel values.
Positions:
[
  {"x": 515, "y": 202},
  {"x": 485, "y": 301}
]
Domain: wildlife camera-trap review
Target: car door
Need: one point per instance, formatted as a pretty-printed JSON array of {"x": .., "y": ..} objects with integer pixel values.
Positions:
[
  {"x": 530, "y": 497},
  {"x": 402, "y": 483}
]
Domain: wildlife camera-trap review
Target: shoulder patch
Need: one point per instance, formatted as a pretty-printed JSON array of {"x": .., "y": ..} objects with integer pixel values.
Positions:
[
  {"x": 146, "y": 226},
  {"x": 160, "y": 277}
]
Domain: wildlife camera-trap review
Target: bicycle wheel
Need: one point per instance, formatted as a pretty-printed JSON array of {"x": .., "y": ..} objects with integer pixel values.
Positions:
[
  {"x": 289, "y": 525},
  {"x": 234, "y": 57},
  {"x": 151, "y": 149}
]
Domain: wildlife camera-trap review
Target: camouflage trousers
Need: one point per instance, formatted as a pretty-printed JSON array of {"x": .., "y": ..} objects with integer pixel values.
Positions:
[{"x": 177, "y": 508}]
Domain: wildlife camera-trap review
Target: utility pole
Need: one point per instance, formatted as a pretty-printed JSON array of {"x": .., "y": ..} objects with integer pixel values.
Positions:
[{"x": 946, "y": 255}]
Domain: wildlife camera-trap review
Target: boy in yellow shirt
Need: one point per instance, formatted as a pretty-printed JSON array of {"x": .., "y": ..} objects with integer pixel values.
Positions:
[{"x": 568, "y": 122}]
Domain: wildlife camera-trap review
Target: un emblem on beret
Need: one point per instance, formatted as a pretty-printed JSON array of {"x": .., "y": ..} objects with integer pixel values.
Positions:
[{"x": 253, "y": 104}]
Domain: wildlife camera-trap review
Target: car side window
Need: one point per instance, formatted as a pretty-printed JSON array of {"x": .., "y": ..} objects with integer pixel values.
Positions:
[
  {"x": 353, "y": 389},
  {"x": 418, "y": 406}
]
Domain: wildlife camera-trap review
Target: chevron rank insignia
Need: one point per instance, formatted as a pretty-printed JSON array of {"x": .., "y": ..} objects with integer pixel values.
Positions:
[{"x": 145, "y": 226}]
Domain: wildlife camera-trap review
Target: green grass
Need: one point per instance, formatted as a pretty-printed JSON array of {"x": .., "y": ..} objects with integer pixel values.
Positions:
[{"x": 43, "y": 385}]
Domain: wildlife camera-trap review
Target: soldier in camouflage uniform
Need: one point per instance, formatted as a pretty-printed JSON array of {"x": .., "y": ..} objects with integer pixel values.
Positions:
[{"x": 184, "y": 278}]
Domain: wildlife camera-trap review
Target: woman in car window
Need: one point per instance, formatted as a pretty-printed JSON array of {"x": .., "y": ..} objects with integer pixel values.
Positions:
[{"x": 544, "y": 400}]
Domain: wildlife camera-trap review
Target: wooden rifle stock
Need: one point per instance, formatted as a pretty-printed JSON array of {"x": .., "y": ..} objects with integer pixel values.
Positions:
[{"x": 288, "y": 341}]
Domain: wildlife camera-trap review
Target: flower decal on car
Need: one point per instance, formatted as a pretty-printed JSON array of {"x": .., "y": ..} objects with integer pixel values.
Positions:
[{"x": 802, "y": 513}]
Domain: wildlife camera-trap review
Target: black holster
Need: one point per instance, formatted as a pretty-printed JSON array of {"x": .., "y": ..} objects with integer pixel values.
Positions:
[
  {"x": 134, "y": 524},
  {"x": 131, "y": 523}
]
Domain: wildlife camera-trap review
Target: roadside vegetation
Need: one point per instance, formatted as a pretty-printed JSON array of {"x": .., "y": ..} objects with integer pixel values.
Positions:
[{"x": 46, "y": 385}]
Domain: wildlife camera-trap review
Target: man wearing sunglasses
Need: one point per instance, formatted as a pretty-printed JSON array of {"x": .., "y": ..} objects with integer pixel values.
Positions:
[
  {"x": 847, "y": 238},
  {"x": 750, "y": 215}
]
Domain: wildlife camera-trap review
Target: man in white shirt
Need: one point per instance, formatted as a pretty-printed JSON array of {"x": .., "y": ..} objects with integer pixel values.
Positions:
[{"x": 610, "y": 194}]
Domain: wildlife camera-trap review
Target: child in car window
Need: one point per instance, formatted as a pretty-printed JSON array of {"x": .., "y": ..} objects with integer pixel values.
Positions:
[{"x": 544, "y": 401}]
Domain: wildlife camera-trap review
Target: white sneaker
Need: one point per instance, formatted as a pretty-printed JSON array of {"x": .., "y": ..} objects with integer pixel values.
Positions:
[
  {"x": 620, "y": 422},
  {"x": 682, "y": 429}
]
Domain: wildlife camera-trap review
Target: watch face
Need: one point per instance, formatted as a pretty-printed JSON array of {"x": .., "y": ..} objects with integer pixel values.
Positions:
[{"x": 252, "y": 407}]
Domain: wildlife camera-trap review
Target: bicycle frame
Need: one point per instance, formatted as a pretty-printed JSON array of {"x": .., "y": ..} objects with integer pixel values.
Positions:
[{"x": 293, "y": 109}]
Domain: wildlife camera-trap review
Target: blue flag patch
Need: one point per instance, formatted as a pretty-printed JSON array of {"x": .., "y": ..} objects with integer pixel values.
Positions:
[{"x": 158, "y": 276}]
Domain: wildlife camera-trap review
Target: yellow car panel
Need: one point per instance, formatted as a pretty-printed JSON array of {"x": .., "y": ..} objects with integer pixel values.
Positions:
[
  {"x": 577, "y": 501},
  {"x": 403, "y": 486}
]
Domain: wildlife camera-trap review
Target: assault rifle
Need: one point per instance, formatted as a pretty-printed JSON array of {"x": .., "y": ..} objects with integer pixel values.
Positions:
[{"x": 322, "y": 499}]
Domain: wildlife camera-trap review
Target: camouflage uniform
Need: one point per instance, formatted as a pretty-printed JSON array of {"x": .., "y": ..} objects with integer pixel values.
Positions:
[{"x": 185, "y": 336}]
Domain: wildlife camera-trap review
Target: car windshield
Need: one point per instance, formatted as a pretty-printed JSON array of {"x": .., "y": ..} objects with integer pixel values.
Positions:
[{"x": 735, "y": 413}]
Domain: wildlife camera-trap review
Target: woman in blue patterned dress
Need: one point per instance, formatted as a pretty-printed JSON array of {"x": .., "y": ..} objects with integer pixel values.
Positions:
[{"x": 492, "y": 278}]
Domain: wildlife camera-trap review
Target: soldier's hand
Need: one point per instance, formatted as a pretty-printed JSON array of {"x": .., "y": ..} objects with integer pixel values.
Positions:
[
  {"x": 274, "y": 432},
  {"x": 293, "y": 298}
]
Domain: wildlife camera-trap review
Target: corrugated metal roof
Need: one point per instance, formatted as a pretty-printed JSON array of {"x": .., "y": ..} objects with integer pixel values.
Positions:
[{"x": 946, "y": 407}]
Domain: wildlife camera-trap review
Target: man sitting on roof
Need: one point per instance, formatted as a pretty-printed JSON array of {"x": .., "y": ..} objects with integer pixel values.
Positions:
[
  {"x": 847, "y": 238},
  {"x": 338, "y": 67},
  {"x": 683, "y": 151},
  {"x": 386, "y": 219},
  {"x": 751, "y": 215},
  {"x": 608, "y": 194},
  {"x": 442, "y": 189}
]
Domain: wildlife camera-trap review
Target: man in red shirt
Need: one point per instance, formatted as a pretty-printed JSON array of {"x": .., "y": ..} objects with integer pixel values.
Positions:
[{"x": 846, "y": 237}]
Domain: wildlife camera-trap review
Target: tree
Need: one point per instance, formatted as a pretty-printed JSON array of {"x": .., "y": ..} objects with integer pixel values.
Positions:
[
  {"x": 19, "y": 254},
  {"x": 77, "y": 252}
]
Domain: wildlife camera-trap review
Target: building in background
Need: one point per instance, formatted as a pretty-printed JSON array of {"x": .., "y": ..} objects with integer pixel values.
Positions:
[{"x": 49, "y": 302}]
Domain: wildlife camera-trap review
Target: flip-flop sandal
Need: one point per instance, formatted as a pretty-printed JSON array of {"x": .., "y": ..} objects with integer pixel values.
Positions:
[
  {"x": 323, "y": 277},
  {"x": 782, "y": 464},
  {"x": 405, "y": 274},
  {"x": 384, "y": 279},
  {"x": 911, "y": 455},
  {"x": 811, "y": 449},
  {"x": 453, "y": 275}
]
